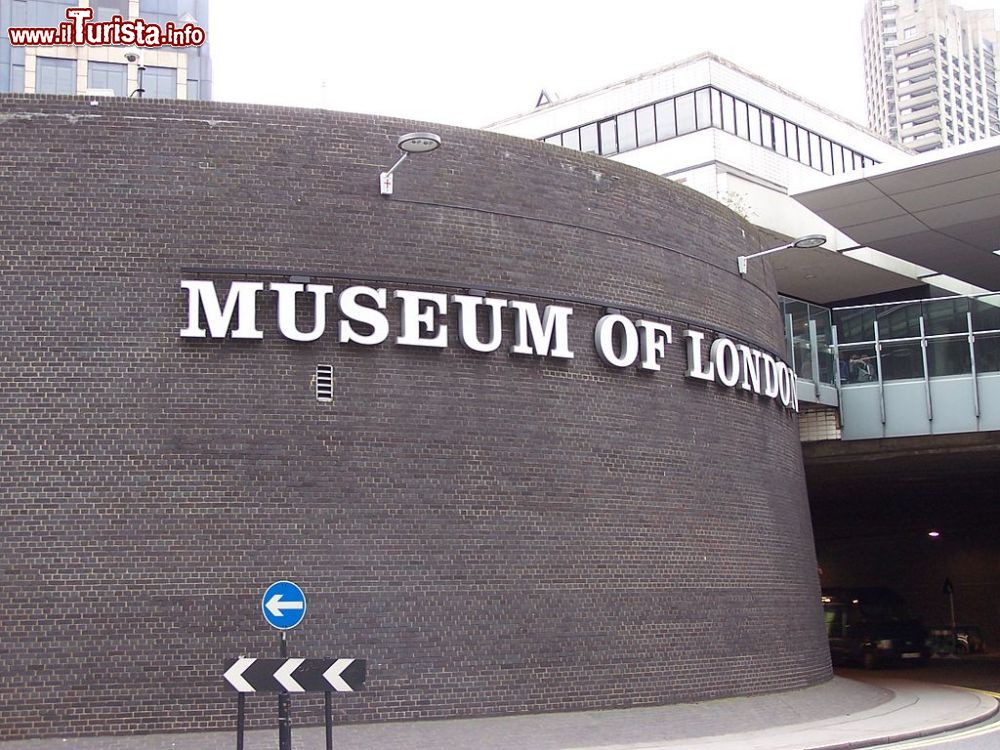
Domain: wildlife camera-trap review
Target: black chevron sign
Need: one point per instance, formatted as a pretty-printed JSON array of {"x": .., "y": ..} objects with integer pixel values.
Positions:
[{"x": 247, "y": 675}]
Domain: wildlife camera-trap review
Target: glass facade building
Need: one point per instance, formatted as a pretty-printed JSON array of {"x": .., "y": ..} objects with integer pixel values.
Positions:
[
  {"x": 174, "y": 73},
  {"x": 710, "y": 107}
]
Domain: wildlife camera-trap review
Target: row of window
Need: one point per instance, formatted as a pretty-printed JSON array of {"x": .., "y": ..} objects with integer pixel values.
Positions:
[
  {"x": 53, "y": 12},
  {"x": 710, "y": 107},
  {"x": 55, "y": 76}
]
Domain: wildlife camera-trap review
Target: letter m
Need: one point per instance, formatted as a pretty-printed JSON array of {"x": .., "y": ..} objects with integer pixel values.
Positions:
[
  {"x": 546, "y": 335},
  {"x": 242, "y": 299}
]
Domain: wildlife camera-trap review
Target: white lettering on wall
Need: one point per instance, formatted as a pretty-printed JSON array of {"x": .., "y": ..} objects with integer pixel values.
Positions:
[
  {"x": 468, "y": 310},
  {"x": 604, "y": 340},
  {"x": 241, "y": 299},
  {"x": 286, "y": 309},
  {"x": 419, "y": 319},
  {"x": 546, "y": 336},
  {"x": 354, "y": 312}
]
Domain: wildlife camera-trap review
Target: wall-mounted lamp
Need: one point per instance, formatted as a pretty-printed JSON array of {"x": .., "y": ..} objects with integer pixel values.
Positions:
[
  {"x": 134, "y": 57},
  {"x": 411, "y": 143},
  {"x": 810, "y": 240}
]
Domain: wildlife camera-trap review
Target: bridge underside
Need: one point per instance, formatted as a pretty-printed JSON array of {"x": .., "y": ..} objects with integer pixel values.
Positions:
[{"x": 874, "y": 503}]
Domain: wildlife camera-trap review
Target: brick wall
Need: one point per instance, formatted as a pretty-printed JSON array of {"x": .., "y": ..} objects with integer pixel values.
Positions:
[{"x": 494, "y": 533}]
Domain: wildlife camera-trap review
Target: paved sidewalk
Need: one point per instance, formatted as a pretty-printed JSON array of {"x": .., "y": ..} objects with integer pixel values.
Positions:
[{"x": 839, "y": 714}]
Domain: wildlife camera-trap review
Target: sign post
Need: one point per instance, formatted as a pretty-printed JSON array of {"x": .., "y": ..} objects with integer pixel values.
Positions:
[
  {"x": 284, "y": 676},
  {"x": 284, "y": 606}
]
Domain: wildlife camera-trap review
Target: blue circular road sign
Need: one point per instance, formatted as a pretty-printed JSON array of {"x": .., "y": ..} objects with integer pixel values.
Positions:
[{"x": 283, "y": 605}]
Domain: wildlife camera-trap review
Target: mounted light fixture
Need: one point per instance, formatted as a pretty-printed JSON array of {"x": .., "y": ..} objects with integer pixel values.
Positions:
[
  {"x": 411, "y": 143},
  {"x": 810, "y": 240}
]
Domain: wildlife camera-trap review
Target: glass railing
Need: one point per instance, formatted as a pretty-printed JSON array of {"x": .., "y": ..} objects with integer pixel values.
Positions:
[
  {"x": 920, "y": 339},
  {"x": 809, "y": 340},
  {"x": 922, "y": 367}
]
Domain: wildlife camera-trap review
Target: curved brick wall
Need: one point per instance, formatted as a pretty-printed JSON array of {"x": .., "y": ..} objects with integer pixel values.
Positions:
[{"x": 494, "y": 533}]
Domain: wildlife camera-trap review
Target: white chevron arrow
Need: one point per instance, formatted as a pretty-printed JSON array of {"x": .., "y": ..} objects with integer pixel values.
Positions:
[
  {"x": 234, "y": 675},
  {"x": 332, "y": 675},
  {"x": 284, "y": 676}
]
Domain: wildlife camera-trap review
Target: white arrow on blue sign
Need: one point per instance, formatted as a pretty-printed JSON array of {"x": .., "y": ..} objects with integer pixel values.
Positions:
[{"x": 283, "y": 605}]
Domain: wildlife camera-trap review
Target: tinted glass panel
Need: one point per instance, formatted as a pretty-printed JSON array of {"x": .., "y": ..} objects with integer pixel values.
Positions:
[
  {"x": 609, "y": 141},
  {"x": 766, "y": 135},
  {"x": 742, "y": 126},
  {"x": 588, "y": 138},
  {"x": 948, "y": 357},
  {"x": 780, "y": 136},
  {"x": 685, "y": 114},
  {"x": 754, "y": 114},
  {"x": 645, "y": 122},
  {"x": 986, "y": 313},
  {"x": 112, "y": 76},
  {"x": 898, "y": 322},
  {"x": 666, "y": 127},
  {"x": 988, "y": 353},
  {"x": 716, "y": 108},
  {"x": 626, "y": 131},
  {"x": 946, "y": 316},
  {"x": 54, "y": 76},
  {"x": 571, "y": 139},
  {"x": 902, "y": 361},
  {"x": 792, "y": 140},
  {"x": 728, "y": 113},
  {"x": 855, "y": 325},
  {"x": 160, "y": 83},
  {"x": 703, "y": 109}
]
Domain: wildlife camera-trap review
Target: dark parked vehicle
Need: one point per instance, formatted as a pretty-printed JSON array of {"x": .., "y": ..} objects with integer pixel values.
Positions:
[{"x": 872, "y": 627}]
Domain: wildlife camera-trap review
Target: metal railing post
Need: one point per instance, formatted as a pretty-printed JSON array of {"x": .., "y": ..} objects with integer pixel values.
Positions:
[
  {"x": 972, "y": 360},
  {"x": 814, "y": 351},
  {"x": 927, "y": 373},
  {"x": 881, "y": 382}
]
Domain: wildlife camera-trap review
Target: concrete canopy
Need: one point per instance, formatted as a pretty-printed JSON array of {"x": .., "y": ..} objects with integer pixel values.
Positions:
[{"x": 940, "y": 210}]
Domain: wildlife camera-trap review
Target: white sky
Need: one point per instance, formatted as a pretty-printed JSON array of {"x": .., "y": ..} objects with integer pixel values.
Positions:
[{"x": 471, "y": 63}]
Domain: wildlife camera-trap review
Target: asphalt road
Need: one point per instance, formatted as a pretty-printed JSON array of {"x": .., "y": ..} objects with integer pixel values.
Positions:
[
  {"x": 981, "y": 672},
  {"x": 977, "y": 671}
]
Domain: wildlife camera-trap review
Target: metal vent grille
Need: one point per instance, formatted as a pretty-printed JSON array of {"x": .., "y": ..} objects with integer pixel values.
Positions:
[{"x": 324, "y": 383}]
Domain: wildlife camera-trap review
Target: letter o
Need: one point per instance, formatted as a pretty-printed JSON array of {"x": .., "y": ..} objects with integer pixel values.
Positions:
[
  {"x": 784, "y": 383},
  {"x": 604, "y": 340},
  {"x": 727, "y": 362}
]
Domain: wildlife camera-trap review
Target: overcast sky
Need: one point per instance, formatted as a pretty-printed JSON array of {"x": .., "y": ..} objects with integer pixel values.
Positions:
[{"x": 471, "y": 63}]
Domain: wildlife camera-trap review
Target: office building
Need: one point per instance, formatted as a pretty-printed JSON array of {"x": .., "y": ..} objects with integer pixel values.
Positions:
[
  {"x": 930, "y": 72},
  {"x": 909, "y": 291},
  {"x": 167, "y": 72}
]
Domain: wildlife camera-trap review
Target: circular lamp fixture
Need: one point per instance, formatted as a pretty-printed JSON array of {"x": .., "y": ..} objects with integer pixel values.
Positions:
[
  {"x": 810, "y": 240},
  {"x": 421, "y": 143}
]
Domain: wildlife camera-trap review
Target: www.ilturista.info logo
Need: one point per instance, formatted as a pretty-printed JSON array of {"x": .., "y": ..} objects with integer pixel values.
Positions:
[{"x": 81, "y": 30}]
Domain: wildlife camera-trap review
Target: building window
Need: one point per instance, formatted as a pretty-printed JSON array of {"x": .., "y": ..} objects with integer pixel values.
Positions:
[
  {"x": 160, "y": 83},
  {"x": 158, "y": 11},
  {"x": 110, "y": 76},
  {"x": 54, "y": 76},
  {"x": 704, "y": 108},
  {"x": 685, "y": 114},
  {"x": 626, "y": 131},
  {"x": 609, "y": 141},
  {"x": 105, "y": 10},
  {"x": 645, "y": 121},
  {"x": 48, "y": 12},
  {"x": 666, "y": 125}
]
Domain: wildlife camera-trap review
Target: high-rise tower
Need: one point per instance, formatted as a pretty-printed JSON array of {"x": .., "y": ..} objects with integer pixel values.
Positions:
[{"x": 930, "y": 72}]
